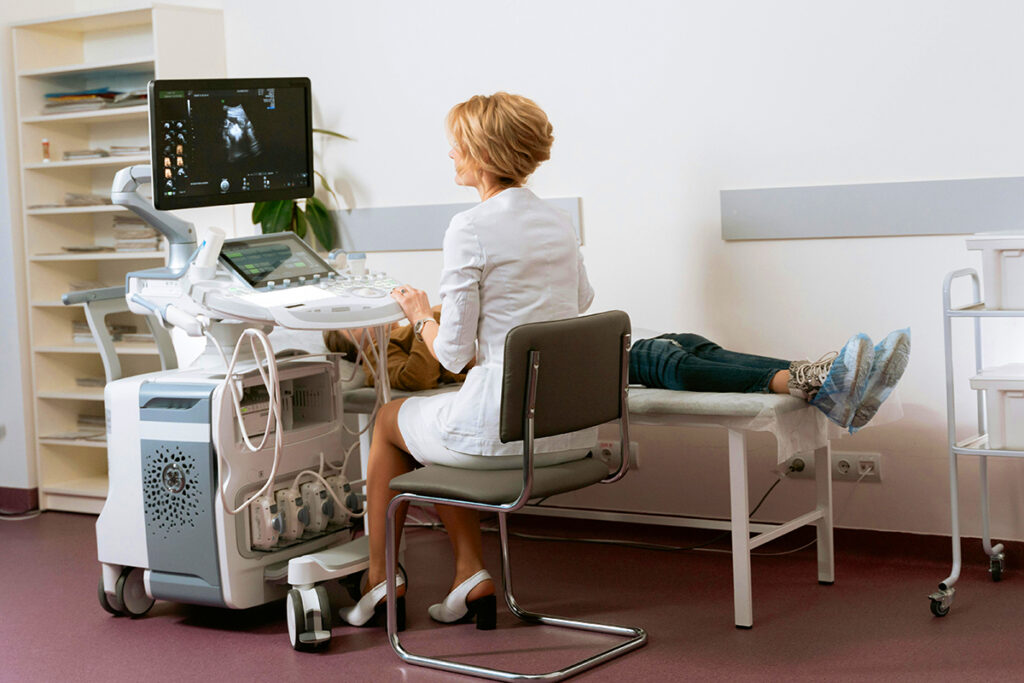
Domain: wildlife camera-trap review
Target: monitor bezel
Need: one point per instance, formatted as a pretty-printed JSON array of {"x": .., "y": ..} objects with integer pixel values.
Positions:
[
  {"x": 185, "y": 202},
  {"x": 270, "y": 237}
]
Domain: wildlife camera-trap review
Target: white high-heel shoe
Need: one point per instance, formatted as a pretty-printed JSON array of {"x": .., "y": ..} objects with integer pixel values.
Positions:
[
  {"x": 456, "y": 608},
  {"x": 367, "y": 612}
]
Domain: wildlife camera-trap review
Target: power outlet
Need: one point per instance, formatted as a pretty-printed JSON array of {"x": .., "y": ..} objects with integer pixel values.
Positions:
[
  {"x": 846, "y": 466},
  {"x": 609, "y": 452}
]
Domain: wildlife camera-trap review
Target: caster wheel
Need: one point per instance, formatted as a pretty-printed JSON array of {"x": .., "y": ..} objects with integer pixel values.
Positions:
[
  {"x": 325, "y": 609},
  {"x": 995, "y": 568},
  {"x": 131, "y": 592},
  {"x": 105, "y": 602},
  {"x": 938, "y": 609},
  {"x": 302, "y": 633}
]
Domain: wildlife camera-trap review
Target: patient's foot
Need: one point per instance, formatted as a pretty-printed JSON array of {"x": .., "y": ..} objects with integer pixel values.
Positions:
[
  {"x": 843, "y": 388},
  {"x": 891, "y": 357},
  {"x": 806, "y": 378}
]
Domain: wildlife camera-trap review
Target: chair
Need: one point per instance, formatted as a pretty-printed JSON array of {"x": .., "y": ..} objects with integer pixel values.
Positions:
[{"x": 560, "y": 376}]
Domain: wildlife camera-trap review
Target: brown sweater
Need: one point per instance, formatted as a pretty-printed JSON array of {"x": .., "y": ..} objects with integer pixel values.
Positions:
[{"x": 411, "y": 367}]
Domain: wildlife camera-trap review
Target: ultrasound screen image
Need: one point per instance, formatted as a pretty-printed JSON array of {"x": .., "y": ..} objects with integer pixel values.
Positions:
[{"x": 228, "y": 145}]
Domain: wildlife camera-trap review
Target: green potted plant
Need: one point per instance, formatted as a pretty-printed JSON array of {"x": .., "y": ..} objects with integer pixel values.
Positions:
[{"x": 301, "y": 215}]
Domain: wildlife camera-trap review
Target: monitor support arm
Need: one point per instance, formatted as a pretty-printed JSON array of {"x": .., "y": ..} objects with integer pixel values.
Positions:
[{"x": 180, "y": 234}]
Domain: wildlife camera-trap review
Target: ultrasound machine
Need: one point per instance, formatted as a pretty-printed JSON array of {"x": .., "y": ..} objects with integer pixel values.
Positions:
[{"x": 220, "y": 485}]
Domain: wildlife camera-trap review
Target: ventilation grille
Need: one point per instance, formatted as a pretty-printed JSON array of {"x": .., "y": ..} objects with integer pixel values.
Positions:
[{"x": 171, "y": 492}]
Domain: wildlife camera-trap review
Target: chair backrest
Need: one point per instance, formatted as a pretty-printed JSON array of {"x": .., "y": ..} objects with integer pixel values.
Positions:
[{"x": 583, "y": 372}]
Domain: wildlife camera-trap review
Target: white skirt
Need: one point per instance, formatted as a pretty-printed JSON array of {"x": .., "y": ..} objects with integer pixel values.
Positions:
[{"x": 419, "y": 424}]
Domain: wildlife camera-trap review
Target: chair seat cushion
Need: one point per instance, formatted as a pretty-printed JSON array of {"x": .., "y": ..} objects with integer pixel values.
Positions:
[{"x": 496, "y": 487}]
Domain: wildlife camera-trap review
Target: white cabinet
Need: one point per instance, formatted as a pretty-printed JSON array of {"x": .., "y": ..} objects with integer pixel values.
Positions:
[{"x": 70, "y": 242}]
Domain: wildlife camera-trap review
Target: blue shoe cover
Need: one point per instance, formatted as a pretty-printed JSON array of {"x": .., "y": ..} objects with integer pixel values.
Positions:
[
  {"x": 844, "y": 386},
  {"x": 891, "y": 357}
]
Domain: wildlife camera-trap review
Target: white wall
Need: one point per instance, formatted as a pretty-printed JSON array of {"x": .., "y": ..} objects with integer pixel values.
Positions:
[{"x": 656, "y": 107}]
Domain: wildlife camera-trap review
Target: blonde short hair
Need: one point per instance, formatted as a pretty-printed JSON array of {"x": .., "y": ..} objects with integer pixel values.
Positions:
[{"x": 504, "y": 134}]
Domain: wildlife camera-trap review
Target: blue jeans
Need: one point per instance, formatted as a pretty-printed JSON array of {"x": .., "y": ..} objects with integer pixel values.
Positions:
[{"x": 689, "y": 362}]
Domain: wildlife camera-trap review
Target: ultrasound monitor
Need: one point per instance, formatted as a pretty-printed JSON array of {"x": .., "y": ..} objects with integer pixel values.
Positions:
[{"x": 227, "y": 141}]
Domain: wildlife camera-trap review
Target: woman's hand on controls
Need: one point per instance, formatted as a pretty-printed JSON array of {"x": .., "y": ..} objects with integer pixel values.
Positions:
[{"x": 414, "y": 302}]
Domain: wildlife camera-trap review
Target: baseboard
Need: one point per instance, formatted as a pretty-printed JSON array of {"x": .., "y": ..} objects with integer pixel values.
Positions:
[{"x": 18, "y": 501}]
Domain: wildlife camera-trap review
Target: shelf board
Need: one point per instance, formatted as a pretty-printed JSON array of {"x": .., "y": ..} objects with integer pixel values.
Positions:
[
  {"x": 97, "y": 20},
  {"x": 90, "y": 487},
  {"x": 72, "y": 395},
  {"x": 141, "y": 65},
  {"x": 121, "y": 349},
  {"x": 100, "y": 162},
  {"x": 53, "y": 304},
  {"x": 140, "y": 112},
  {"x": 65, "y": 210},
  {"x": 103, "y": 256},
  {"x": 82, "y": 443}
]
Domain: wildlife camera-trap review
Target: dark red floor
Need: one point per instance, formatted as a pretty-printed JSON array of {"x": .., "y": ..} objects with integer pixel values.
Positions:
[{"x": 873, "y": 624}]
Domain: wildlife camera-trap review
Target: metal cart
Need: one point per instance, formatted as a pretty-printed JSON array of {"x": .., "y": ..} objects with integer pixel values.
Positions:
[{"x": 977, "y": 445}]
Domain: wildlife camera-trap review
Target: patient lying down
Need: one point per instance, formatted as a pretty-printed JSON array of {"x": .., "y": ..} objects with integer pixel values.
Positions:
[{"x": 848, "y": 386}]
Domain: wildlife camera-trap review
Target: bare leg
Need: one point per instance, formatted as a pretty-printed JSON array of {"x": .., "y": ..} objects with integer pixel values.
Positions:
[
  {"x": 388, "y": 459},
  {"x": 463, "y": 526},
  {"x": 780, "y": 382}
]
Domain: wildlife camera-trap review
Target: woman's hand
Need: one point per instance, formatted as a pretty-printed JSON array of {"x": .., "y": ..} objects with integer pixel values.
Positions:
[{"x": 413, "y": 301}]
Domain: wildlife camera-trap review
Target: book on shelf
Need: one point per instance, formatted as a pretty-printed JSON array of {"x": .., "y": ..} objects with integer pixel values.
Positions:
[
  {"x": 90, "y": 100},
  {"x": 91, "y": 382},
  {"x": 92, "y": 422},
  {"x": 81, "y": 334},
  {"x": 78, "y": 154},
  {"x": 87, "y": 249},
  {"x": 128, "y": 150},
  {"x": 79, "y": 435},
  {"x": 84, "y": 285}
]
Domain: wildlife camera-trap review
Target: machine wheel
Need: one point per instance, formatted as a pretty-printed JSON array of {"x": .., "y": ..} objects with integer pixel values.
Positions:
[
  {"x": 130, "y": 591},
  {"x": 297, "y": 620},
  {"x": 938, "y": 609},
  {"x": 995, "y": 568},
  {"x": 326, "y": 618},
  {"x": 105, "y": 603}
]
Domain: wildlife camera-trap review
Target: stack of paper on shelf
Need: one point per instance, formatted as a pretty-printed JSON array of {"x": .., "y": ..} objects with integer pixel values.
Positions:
[{"x": 132, "y": 234}]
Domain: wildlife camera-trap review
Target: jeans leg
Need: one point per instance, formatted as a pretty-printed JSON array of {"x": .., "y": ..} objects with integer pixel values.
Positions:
[
  {"x": 709, "y": 350},
  {"x": 663, "y": 364}
]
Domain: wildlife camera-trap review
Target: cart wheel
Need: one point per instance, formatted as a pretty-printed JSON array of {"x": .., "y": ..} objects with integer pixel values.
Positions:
[
  {"x": 325, "y": 609},
  {"x": 301, "y": 638},
  {"x": 105, "y": 602},
  {"x": 296, "y": 621},
  {"x": 939, "y": 609},
  {"x": 995, "y": 568},
  {"x": 131, "y": 592}
]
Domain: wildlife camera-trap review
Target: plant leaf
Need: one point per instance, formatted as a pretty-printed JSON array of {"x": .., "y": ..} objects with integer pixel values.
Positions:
[
  {"x": 326, "y": 186},
  {"x": 321, "y": 221},
  {"x": 324, "y": 131},
  {"x": 277, "y": 216},
  {"x": 258, "y": 209},
  {"x": 300, "y": 222}
]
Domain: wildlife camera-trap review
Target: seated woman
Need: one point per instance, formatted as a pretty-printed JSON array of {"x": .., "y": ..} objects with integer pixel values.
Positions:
[
  {"x": 510, "y": 260},
  {"x": 411, "y": 367},
  {"x": 848, "y": 385}
]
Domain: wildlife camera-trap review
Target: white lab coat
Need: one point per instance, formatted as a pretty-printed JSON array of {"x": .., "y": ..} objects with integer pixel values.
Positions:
[{"x": 511, "y": 259}]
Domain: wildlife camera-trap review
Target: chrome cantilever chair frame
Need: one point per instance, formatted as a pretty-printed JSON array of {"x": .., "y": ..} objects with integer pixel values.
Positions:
[{"x": 637, "y": 637}]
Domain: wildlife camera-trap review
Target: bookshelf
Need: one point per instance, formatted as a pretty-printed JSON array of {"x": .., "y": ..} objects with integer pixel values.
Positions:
[{"x": 67, "y": 244}]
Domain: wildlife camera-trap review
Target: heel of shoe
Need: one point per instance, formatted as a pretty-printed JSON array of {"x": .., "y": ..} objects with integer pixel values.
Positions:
[
  {"x": 485, "y": 610},
  {"x": 380, "y": 614}
]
